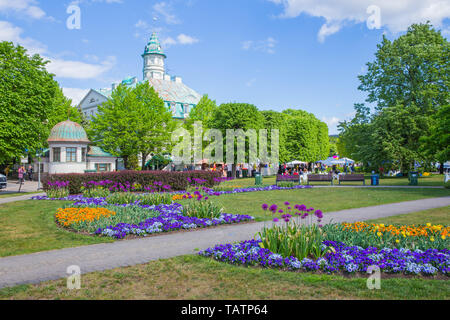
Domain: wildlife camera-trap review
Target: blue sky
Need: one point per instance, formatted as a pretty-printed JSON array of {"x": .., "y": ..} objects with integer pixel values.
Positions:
[{"x": 276, "y": 54}]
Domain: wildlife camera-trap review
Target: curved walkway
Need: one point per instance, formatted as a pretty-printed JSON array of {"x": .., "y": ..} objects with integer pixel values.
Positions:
[{"x": 51, "y": 265}]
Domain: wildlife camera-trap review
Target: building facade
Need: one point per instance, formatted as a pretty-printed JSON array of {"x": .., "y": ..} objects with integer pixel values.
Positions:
[
  {"x": 178, "y": 97},
  {"x": 70, "y": 152}
]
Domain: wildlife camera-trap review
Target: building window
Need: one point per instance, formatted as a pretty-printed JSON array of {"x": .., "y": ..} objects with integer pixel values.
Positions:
[
  {"x": 56, "y": 154},
  {"x": 103, "y": 167},
  {"x": 71, "y": 154},
  {"x": 83, "y": 154}
]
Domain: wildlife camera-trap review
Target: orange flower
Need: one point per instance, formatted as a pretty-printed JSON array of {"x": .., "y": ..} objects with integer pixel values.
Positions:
[{"x": 69, "y": 216}]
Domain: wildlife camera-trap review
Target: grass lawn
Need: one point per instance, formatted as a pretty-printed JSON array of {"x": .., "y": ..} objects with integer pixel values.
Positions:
[
  {"x": 29, "y": 226},
  {"x": 199, "y": 278},
  {"x": 433, "y": 216},
  {"x": 327, "y": 200},
  {"x": 435, "y": 180}
]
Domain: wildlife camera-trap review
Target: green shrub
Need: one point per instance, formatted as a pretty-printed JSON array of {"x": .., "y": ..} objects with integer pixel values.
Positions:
[
  {"x": 201, "y": 209},
  {"x": 151, "y": 199},
  {"x": 447, "y": 184},
  {"x": 295, "y": 240},
  {"x": 286, "y": 184},
  {"x": 122, "y": 198},
  {"x": 97, "y": 192},
  {"x": 57, "y": 193}
]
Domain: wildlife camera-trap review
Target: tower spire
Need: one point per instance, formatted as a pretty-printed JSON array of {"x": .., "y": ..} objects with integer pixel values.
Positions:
[{"x": 153, "y": 59}]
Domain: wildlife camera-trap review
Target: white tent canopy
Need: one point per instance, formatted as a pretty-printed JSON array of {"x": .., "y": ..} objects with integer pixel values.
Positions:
[{"x": 295, "y": 163}]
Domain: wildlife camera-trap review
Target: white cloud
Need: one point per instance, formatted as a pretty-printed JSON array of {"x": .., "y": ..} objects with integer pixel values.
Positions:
[
  {"x": 79, "y": 70},
  {"x": 396, "y": 15},
  {"x": 332, "y": 123},
  {"x": 267, "y": 45},
  {"x": 185, "y": 39},
  {"x": 28, "y": 7},
  {"x": 60, "y": 67},
  {"x": 164, "y": 10},
  {"x": 9, "y": 32},
  {"x": 75, "y": 94},
  {"x": 181, "y": 39}
]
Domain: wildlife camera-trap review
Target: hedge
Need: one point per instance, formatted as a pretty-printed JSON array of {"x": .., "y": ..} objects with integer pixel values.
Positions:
[{"x": 177, "y": 180}]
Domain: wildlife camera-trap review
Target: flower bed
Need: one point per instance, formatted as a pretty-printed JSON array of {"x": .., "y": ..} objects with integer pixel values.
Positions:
[
  {"x": 393, "y": 236},
  {"x": 122, "y": 179},
  {"x": 343, "y": 258},
  {"x": 170, "y": 219}
]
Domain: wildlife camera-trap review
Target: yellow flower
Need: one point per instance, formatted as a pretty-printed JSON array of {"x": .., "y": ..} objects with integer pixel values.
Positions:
[
  {"x": 431, "y": 239},
  {"x": 428, "y": 224},
  {"x": 443, "y": 237},
  {"x": 397, "y": 241},
  {"x": 379, "y": 234}
]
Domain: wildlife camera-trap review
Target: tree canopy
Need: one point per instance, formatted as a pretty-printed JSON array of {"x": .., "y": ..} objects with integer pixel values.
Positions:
[
  {"x": 408, "y": 82},
  {"x": 133, "y": 121},
  {"x": 31, "y": 103}
]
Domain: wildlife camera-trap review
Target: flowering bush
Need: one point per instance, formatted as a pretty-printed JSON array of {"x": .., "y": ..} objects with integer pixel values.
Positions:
[
  {"x": 144, "y": 199},
  {"x": 393, "y": 236},
  {"x": 57, "y": 189},
  {"x": 342, "y": 258},
  {"x": 94, "y": 189},
  {"x": 201, "y": 209},
  {"x": 177, "y": 180}
]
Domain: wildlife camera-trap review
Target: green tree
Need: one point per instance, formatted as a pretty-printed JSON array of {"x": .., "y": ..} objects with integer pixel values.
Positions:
[
  {"x": 408, "y": 82},
  {"x": 203, "y": 112},
  {"x": 133, "y": 121},
  {"x": 156, "y": 125},
  {"x": 27, "y": 94},
  {"x": 236, "y": 116},
  {"x": 437, "y": 145}
]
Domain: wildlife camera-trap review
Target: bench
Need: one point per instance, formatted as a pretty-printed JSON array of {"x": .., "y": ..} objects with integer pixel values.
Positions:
[
  {"x": 282, "y": 178},
  {"x": 352, "y": 177},
  {"x": 320, "y": 177}
]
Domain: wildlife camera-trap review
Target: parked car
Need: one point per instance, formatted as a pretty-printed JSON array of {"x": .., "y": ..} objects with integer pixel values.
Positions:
[{"x": 3, "y": 182}]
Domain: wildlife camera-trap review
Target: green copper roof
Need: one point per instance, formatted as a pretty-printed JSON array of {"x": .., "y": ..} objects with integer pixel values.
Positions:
[
  {"x": 68, "y": 131},
  {"x": 98, "y": 152},
  {"x": 153, "y": 46}
]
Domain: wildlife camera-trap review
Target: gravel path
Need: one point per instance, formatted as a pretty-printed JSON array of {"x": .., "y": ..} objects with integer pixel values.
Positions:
[{"x": 50, "y": 265}]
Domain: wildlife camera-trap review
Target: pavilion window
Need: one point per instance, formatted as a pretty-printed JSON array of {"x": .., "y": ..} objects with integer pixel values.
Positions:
[
  {"x": 56, "y": 154},
  {"x": 83, "y": 154},
  {"x": 71, "y": 154}
]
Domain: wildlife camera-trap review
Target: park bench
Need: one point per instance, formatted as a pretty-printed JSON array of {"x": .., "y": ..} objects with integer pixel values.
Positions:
[
  {"x": 320, "y": 177},
  {"x": 352, "y": 177},
  {"x": 282, "y": 178}
]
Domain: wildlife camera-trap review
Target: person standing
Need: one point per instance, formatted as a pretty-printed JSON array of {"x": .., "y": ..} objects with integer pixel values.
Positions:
[
  {"x": 30, "y": 173},
  {"x": 7, "y": 171}
]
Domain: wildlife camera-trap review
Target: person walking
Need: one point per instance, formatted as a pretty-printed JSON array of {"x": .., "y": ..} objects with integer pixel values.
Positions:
[{"x": 21, "y": 172}]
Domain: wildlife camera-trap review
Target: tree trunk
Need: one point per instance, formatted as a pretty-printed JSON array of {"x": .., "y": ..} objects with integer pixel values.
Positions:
[
  {"x": 144, "y": 160},
  {"x": 125, "y": 162}
]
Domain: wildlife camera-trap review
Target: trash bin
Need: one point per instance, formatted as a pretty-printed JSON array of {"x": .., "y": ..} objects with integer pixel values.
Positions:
[
  {"x": 413, "y": 178},
  {"x": 258, "y": 179},
  {"x": 244, "y": 173},
  {"x": 90, "y": 171},
  {"x": 375, "y": 179}
]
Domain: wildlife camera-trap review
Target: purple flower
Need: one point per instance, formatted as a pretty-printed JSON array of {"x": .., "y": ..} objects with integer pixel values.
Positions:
[{"x": 265, "y": 206}]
